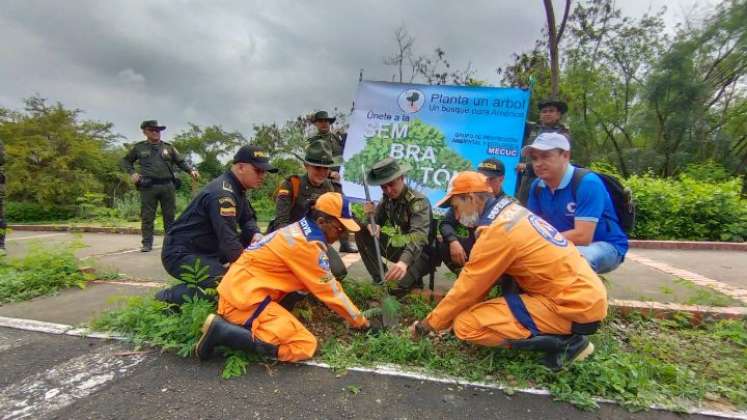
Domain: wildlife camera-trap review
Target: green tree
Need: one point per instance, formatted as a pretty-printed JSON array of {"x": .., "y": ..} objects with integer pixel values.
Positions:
[
  {"x": 210, "y": 146},
  {"x": 432, "y": 159},
  {"x": 54, "y": 157}
]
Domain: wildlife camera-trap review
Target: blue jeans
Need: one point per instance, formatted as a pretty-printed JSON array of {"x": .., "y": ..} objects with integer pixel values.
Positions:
[{"x": 602, "y": 256}]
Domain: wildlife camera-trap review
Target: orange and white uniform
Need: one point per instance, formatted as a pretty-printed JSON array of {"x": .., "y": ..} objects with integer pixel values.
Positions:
[
  {"x": 291, "y": 259},
  {"x": 559, "y": 287}
]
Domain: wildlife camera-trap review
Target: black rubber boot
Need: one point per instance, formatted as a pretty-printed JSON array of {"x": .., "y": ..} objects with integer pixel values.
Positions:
[
  {"x": 560, "y": 350},
  {"x": 218, "y": 332},
  {"x": 177, "y": 295}
]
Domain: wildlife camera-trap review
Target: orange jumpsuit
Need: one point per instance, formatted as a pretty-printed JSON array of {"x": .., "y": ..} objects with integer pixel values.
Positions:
[
  {"x": 559, "y": 287},
  {"x": 291, "y": 259}
]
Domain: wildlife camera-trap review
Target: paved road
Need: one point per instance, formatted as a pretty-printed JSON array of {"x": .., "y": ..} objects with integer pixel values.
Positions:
[
  {"x": 63, "y": 377},
  {"x": 50, "y": 376}
]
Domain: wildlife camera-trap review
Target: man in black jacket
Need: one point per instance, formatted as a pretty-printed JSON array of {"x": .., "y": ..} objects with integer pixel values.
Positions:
[{"x": 208, "y": 230}]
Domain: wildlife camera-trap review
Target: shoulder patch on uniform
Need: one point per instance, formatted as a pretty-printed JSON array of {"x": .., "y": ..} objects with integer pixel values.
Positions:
[
  {"x": 227, "y": 206},
  {"x": 227, "y": 201},
  {"x": 547, "y": 231},
  {"x": 227, "y": 186},
  {"x": 419, "y": 205},
  {"x": 283, "y": 192},
  {"x": 323, "y": 261}
]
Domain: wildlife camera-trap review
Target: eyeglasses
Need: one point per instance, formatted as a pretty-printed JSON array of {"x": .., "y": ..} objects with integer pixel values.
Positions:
[{"x": 153, "y": 130}]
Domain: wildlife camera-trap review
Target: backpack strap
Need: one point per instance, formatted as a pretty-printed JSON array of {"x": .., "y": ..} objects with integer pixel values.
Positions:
[
  {"x": 295, "y": 182},
  {"x": 578, "y": 174}
]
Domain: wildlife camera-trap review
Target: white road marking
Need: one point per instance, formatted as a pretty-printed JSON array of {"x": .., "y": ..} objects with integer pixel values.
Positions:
[
  {"x": 153, "y": 284},
  {"x": 45, "y": 235},
  {"x": 53, "y": 328},
  {"x": 46, "y": 392},
  {"x": 380, "y": 369},
  {"x": 108, "y": 254}
]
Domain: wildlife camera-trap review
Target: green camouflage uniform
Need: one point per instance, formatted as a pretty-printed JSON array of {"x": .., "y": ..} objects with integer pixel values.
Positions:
[
  {"x": 411, "y": 214},
  {"x": 156, "y": 161},
  {"x": 288, "y": 210}
]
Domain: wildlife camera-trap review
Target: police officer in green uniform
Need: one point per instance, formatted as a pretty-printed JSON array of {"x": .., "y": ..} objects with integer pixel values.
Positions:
[
  {"x": 551, "y": 111},
  {"x": 323, "y": 123},
  {"x": 409, "y": 213},
  {"x": 155, "y": 180},
  {"x": 297, "y": 193},
  {"x": 3, "y": 223}
]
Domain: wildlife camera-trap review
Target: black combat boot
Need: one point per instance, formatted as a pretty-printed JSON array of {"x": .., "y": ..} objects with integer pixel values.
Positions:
[
  {"x": 217, "y": 332},
  {"x": 560, "y": 350}
]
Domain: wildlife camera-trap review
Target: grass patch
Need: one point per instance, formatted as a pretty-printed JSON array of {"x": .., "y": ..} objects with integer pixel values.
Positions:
[
  {"x": 706, "y": 296},
  {"x": 42, "y": 271},
  {"x": 638, "y": 361}
]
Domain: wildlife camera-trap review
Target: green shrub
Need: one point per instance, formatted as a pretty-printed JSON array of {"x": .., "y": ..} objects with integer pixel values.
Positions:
[
  {"x": 127, "y": 207},
  {"x": 689, "y": 208},
  {"x": 264, "y": 206},
  {"x": 41, "y": 272},
  {"x": 22, "y": 212}
]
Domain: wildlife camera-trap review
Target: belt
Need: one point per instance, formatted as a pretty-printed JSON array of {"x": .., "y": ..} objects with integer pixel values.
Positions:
[
  {"x": 521, "y": 313},
  {"x": 266, "y": 301},
  {"x": 158, "y": 181}
]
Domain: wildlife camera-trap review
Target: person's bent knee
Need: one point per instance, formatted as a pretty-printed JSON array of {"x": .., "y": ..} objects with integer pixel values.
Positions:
[
  {"x": 465, "y": 326},
  {"x": 301, "y": 348}
]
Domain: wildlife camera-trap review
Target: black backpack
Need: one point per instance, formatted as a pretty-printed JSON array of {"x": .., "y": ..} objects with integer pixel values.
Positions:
[{"x": 622, "y": 197}]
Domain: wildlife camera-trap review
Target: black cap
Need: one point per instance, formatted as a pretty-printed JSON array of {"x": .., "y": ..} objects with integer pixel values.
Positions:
[
  {"x": 152, "y": 124},
  {"x": 491, "y": 167},
  {"x": 256, "y": 156}
]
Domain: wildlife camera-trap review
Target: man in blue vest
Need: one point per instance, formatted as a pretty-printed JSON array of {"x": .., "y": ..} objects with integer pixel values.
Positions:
[{"x": 585, "y": 216}]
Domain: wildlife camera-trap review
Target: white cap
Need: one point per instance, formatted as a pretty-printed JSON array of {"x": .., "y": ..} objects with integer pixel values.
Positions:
[{"x": 548, "y": 141}]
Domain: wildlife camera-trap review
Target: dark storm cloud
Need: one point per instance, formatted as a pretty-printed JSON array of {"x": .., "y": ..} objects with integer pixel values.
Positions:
[{"x": 237, "y": 63}]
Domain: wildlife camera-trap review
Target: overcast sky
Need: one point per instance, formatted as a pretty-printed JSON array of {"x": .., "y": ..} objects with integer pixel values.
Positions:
[{"x": 238, "y": 63}]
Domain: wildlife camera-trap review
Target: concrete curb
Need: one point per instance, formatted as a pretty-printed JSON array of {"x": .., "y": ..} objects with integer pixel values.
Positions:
[
  {"x": 634, "y": 243},
  {"x": 689, "y": 245},
  {"x": 657, "y": 310},
  {"x": 377, "y": 369},
  {"x": 84, "y": 229}
]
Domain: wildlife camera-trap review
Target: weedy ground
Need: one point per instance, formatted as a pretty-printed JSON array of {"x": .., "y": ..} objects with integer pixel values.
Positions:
[
  {"x": 638, "y": 362},
  {"x": 42, "y": 271}
]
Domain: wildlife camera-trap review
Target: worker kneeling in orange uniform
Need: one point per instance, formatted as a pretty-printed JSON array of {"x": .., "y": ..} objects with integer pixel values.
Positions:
[
  {"x": 290, "y": 261},
  {"x": 552, "y": 300}
]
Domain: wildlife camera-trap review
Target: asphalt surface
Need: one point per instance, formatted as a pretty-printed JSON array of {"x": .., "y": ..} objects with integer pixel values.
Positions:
[
  {"x": 52, "y": 376},
  {"x": 38, "y": 372}
]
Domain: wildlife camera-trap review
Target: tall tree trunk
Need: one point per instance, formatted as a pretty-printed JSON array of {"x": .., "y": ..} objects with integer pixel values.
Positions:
[{"x": 554, "y": 36}]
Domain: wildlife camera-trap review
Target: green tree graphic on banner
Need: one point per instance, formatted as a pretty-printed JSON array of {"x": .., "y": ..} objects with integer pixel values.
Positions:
[{"x": 424, "y": 148}]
